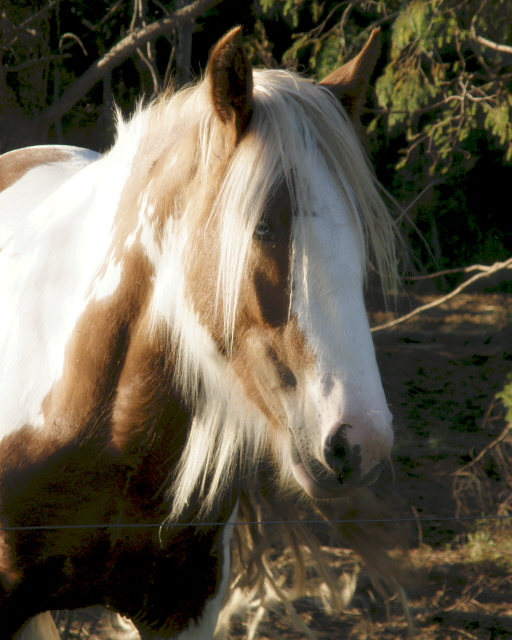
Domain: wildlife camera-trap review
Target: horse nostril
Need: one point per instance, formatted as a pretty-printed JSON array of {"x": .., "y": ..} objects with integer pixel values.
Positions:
[{"x": 344, "y": 460}]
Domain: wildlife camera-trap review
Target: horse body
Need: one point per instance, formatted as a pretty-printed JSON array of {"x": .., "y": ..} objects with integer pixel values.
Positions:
[{"x": 178, "y": 312}]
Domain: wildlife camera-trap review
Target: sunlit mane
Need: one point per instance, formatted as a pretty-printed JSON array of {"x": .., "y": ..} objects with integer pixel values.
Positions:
[
  {"x": 184, "y": 337},
  {"x": 294, "y": 125}
]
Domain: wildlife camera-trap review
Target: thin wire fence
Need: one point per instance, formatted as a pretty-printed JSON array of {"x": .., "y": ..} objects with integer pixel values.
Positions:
[{"x": 255, "y": 522}]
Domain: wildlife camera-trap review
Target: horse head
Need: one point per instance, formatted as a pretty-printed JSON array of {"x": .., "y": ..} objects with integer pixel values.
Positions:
[{"x": 276, "y": 328}]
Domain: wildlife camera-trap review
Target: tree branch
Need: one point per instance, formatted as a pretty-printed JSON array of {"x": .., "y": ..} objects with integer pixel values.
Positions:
[
  {"x": 444, "y": 272},
  {"x": 497, "y": 266},
  {"x": 482, "y": 453},
  {"x": 28, "y": 63},
  {"x": 119, "y": 52},
  {"x": 504, "y": 48},
  {"x": 39, "y": 14}
]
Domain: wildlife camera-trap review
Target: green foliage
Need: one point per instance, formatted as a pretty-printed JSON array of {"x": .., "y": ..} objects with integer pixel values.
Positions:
[
  {"x": 441, "y": 84},
  {"x": 498, "y": 121},
  {"x": 410, "y": 27},
  {"x": 490, "y": 542},
  {"x": 328, "y": 57},
  {"x": 506, "y": 397},
  {"x": 288, "y": 8},
  {"x": 439, "y": 121}
]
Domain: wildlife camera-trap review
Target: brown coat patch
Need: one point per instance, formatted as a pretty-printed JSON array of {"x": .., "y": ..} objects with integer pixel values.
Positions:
[
  {"x": 159, "y": 578},
  {"x": 268, "y": 345},
  {"x": 15, "y": 164}
]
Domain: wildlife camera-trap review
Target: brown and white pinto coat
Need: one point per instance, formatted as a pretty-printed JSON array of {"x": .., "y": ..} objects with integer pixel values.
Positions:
[{"x": 173, "y": 314}]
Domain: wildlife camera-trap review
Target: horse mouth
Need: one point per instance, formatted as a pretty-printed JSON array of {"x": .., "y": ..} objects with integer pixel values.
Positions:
[{"x": 321, "y": 483}]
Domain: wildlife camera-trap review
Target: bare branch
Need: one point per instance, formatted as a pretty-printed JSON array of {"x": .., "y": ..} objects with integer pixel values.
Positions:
[
  {"x": 473, "y": 267},
  {"x": 162, "y": 7},
  {"x": 482, "y": 453},
  {"x": 150, "y": 64},
  {"x": 432, "y": 107},
  {"x": 73, "y": 37},
  {"x": 110, "y": 12},
  {"x": 497, "y": 266},
  {"x": 168, "y": 71},
  {"x": 28, "y": 63},
  {"x": 137, "y": 15},
  {"x": 318, "y": 29},
  {"x": 119, "y": 52},
  {"x": 504, "y": 48},
  {"x": 39, "y": 14}
]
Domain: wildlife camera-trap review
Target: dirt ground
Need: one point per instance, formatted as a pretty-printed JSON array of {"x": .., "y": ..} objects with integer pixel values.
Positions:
[{"x": 441, "y": 371}]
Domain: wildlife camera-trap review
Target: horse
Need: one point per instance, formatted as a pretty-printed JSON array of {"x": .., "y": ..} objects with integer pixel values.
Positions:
[{"x": 177, "y": 313}]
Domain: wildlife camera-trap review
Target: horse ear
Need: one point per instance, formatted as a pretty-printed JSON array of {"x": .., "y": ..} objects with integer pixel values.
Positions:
[
  {"x": 230, "y": 73},
  {"x": 350, "y": 82}
]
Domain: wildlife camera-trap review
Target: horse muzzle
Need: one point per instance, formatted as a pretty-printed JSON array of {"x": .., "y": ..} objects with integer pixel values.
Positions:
[{"x": 342, "y": 470}]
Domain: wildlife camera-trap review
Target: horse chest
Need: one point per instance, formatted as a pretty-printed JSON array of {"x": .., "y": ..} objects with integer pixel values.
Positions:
[{"x": 174, "y": 572}]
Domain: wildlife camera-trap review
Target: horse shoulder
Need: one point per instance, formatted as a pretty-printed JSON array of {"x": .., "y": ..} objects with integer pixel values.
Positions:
[
  {"x": 15, "y": 164},
  {"x": 53, "y": 213},
  {"x": 29, "y": 176}
]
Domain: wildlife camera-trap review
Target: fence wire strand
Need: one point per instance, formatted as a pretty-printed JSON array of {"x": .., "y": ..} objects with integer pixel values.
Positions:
[{"x": 255, "y": 522}]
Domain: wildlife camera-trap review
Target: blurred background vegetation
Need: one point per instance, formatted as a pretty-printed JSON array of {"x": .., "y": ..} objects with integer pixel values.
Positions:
[{"x": 438, "y": 119}]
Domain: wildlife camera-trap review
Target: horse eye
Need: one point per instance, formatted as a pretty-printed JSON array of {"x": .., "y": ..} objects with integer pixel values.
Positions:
[{"x": 264, "y": 231}]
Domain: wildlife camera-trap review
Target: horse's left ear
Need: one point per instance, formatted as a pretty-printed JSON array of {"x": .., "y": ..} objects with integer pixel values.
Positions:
[
  {"x": 230, "y": 74},
  {"x": 350, "y": 82}
]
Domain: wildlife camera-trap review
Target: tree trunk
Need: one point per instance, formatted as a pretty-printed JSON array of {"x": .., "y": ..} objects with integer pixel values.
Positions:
[{"x": 184, "y": 49}]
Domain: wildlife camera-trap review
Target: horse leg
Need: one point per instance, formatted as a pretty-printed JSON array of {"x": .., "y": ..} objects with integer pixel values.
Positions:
[{"x": 41, "y": 627}]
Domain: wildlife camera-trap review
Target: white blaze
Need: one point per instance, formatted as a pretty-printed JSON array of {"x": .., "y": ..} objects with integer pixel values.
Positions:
[{"x": 328, "y": 300}]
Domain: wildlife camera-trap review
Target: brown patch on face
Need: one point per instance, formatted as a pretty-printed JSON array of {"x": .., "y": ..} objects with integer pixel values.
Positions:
[
  {"x": 15, "y": 164},
  {"x": 269, "y": 265},
  {"x": 269, "y": 349},
  {"x": 270, "y": 365}
]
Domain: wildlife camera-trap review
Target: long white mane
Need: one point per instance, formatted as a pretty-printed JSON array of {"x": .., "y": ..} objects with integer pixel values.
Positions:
[{"x": 296, "y": 126}]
